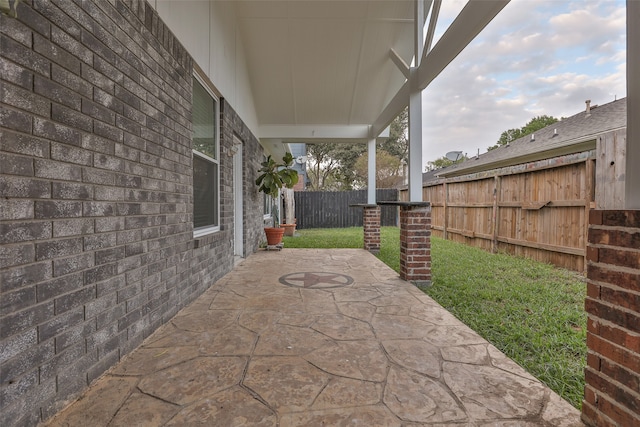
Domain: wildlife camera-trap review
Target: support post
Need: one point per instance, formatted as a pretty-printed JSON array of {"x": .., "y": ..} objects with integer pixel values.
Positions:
[
  {"x": 632, "y": 173},
  {"x": 371, "y": 171},
  {"x": 613, "y": 345},
  {"x": 613, "y": 268},
  {"x": 415, "y": 143},
  {"x": 415, "y": 109},
  {"x": 371, "y": 223},
  {"x": 415, "y": 243}
]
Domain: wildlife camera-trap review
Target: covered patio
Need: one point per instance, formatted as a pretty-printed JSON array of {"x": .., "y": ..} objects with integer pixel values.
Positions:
[
  {"x": 316, "y": 337},
  {"x": 110, "y": 286}
]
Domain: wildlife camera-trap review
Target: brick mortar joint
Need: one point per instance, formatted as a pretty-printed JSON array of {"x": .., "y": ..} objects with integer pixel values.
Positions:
[
  {"x": 613, "y": 286},
  {"x": 606, "y": 227},
  {"x": 612, "y": 267},
  {"x": 612, "y": 307},
  {"x": 613, "y": 381},
  {"x": 607, "y": 303},
  {"x": 610, "y": 324},
  {"x": 590, "y": 421},
  {"x": 611, "y": 246}
]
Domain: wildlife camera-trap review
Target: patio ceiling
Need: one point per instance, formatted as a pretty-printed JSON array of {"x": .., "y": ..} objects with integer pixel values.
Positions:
[{"x": 323, "y": 70}]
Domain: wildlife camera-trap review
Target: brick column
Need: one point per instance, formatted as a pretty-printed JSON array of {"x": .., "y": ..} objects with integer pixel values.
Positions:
[
  {"x": 371, "y": 223},
  {"x": 415, "y": 243},
  {"x": 612, "y": 391}
]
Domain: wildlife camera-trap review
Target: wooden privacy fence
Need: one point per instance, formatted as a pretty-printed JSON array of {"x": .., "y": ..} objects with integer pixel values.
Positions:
[
  {"x": 538, "y": 210},
  {"x": 330, "y": 209}
]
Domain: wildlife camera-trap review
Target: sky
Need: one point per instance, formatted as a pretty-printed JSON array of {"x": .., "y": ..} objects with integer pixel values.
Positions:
[{"x": 536, "y": 57}]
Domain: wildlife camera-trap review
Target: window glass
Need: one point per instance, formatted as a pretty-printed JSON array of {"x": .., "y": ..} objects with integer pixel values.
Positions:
[
  {"x": 206, "y": 168},
  {"x": 204, "y": 121},
  {"x": 205, "y": 196}
]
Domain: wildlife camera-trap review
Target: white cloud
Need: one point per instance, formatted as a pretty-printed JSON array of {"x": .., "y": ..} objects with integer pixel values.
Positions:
[{"x": 536, "y": 57}]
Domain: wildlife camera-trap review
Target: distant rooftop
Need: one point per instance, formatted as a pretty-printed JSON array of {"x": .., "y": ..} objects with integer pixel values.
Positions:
[{"x": 571, "y": 135}]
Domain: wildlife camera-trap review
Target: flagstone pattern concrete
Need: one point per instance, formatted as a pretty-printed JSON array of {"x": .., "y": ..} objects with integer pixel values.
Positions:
[{"x": 252, "y": 351}]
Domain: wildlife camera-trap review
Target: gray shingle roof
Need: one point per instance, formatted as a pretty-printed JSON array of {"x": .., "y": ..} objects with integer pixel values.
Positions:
[
  {"x": 571, "y": 132},
  {"x": 430, "y": 176}
]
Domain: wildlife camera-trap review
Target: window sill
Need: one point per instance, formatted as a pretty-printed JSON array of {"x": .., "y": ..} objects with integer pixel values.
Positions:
[
  {"x": 204, "y": 236},
  {"x": 205, "y": 231}
]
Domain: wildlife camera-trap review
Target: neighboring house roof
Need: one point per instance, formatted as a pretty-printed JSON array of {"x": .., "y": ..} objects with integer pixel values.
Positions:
[
  {"x": 430, "y": 176},
  {"x": 571, "y": 135}
]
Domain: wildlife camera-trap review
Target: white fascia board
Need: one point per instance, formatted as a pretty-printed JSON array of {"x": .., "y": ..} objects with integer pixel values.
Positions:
[
  {"x": 310, "y": 132},
  {"x": 431, "y": 30}
]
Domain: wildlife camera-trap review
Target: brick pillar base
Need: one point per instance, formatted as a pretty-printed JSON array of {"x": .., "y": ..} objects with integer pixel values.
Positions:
[
  {"x": 612, "y": 390},
  {"x": 371, "y": 222},
  {"x": 415, "y": 244}
]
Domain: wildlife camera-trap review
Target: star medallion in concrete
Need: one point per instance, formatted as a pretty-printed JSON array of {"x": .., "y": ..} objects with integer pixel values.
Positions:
[{"x": 315, "y": 280}]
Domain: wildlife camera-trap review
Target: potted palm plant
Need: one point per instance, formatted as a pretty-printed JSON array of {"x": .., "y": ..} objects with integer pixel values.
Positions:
[{"x": 273, "y": 177}]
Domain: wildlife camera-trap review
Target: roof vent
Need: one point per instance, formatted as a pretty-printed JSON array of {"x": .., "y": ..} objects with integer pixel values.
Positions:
[
  {"x": 555, "y": 132},
  {"x": 533, "y": 137},
  {"x": 588, "y": 109}
]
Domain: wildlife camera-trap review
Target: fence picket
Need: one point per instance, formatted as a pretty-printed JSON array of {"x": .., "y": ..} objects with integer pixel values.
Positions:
[{"x": 331, "y": 209}]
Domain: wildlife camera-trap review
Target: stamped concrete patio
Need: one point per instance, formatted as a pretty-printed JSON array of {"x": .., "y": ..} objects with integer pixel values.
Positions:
[{"x": 307, "y": 337}]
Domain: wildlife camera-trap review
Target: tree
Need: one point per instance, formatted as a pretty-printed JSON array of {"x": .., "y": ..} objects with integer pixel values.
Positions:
[
  {"x": 506, "y": 137},
  {"x": 443, "y": 162},
  {"x": 388, "y": 170},
  {"x": 347, "y": 156},
  {"x": 533, "y": 125},
  {"x": 398, "y": 142},
  {"x": 332, "y": 166},
  {"x": 320, "y": 165}
]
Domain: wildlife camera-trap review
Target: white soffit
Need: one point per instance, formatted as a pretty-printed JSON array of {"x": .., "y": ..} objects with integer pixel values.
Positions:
[
  {"x": 323, "y": 63},
  {"x": 323, "y": 67}
]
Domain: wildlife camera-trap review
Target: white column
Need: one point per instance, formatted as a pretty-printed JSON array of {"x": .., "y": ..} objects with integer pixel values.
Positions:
[
  {"x": 371, "y": 177},
  {"x": 415, "y": 144},
  {"x": 415, "y": 110},
  {"x": 632, "y": 173}
]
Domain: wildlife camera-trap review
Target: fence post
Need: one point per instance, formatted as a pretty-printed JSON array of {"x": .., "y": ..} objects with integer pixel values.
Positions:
[
  {"x": 445, "y": 222},
  {"x": 495, "y": 216},
  {"x": 590, "y": 178}
]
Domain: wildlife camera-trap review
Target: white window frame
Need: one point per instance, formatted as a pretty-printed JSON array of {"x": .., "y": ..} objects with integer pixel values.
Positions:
[
  {"x": 202, "y": 231},
  {"x": 267, "y": 206}
]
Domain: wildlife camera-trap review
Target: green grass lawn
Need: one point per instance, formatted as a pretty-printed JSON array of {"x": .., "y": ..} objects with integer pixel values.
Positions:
[{"x": 532, "y": 312}]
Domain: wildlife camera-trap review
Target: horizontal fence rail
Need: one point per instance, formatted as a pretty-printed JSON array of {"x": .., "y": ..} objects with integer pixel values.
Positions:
[{"x": 332, "y": 209}]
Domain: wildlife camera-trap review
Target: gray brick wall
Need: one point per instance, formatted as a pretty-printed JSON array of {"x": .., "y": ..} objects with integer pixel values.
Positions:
[{"x": 96, "y": 234}]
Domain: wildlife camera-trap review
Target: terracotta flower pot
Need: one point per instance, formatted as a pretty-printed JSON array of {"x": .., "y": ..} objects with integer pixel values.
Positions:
[
  {"x": 274, "y": 235},
  {"x": 289, "y": 229}
]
